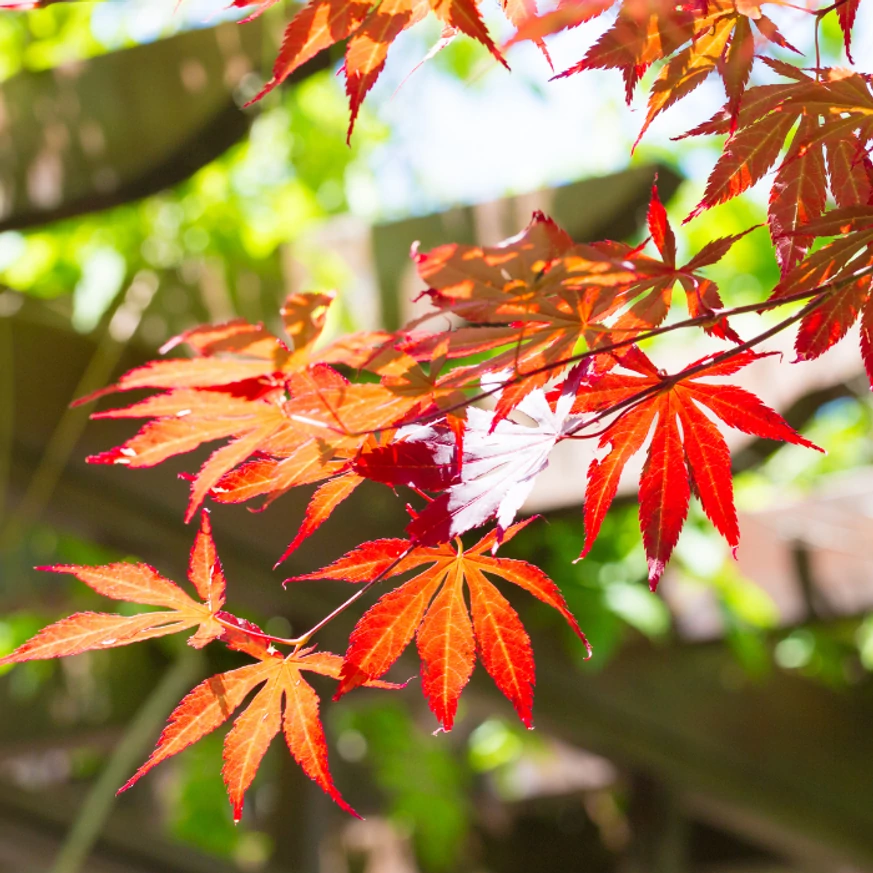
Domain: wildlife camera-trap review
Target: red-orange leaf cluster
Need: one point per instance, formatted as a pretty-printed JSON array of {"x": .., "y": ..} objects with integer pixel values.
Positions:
[
  {"x": 431, "y": 608},
  {"x": 548, "y": 328},
  {"x": 285, "y": 702}
]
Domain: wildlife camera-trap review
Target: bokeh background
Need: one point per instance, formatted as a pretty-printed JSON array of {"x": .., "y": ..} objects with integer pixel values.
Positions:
[{"x": 723, "y": 726}]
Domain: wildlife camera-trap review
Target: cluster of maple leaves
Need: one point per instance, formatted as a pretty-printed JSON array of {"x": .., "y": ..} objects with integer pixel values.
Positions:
[{"x": 546, "y": 347}]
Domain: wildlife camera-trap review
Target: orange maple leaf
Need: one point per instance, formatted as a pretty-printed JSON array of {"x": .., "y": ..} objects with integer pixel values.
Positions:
[
  {"x": 139, "y": 584},
  {"x": 431, "y": 607},
  {"x": 286, "y": 702}
]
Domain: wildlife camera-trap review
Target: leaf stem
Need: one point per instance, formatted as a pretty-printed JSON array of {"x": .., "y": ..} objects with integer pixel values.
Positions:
[
  {"x": 258, "y": 634},
  {"x": 695, "y": 321},
  {"x": 705, "y": 364},
  {"x": 301, "y": 641}
]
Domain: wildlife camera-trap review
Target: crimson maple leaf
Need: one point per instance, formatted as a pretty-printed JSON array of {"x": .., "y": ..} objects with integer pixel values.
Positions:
[
  {"x": 686, "y": 450},
  {"x": 286, "y": 702},
  {"x": 139, "y": 584},
  {"x": 845, "y": 268},
  {"x": 431, "y": 607},
  {"x": 846, "y": 12},
  {"x": 829, "y": 149}
]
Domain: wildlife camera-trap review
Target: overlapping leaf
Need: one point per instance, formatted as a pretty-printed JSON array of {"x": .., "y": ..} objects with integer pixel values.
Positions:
[
  {"x": 832, "y": 120},
  {"x": 695, "y": 39},
  {"x": 139, "y": 584},
  {"x": 497, "y": 466},
  {"x": 285, "y": 701},
  {"x": 686, "y": 449},
  {"x": 845, "y": 268},
  {"x": 534, "y": 299},
  {"x": 232, "y": 389},
  {"x": 431, "y": 607},
  {"x": 289, "y": 417}
]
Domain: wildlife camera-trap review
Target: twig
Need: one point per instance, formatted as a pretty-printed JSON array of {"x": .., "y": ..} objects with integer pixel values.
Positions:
[
  {"x": 305, "y": 638},
  {"x": 690, "y": 372},
  {"x": 696, "y": 321}
]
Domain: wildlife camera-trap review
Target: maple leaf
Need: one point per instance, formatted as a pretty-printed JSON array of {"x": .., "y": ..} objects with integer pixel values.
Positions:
[
  {"x": 431, "y": 608},
  {"x": 286, "y": 702},
  {"x": 677, "y": 460},
  {"x": 846, "y": 266},
  {"x": 535, "y": 297},
  {"x": 846, "y": 12},
  {"x": 232, "y": 390},
  {"x": 368, "y": 47},
  {"x": 717, "y": 37},
  {"x": 370, "y": 30},
  {"x": 139, "y": 584},
  {"x": 567, "y": 14},
  {"x": 278, "y": 405},
  {"x": 325, "y": 500},
  {"x": 832, "y": 112}
]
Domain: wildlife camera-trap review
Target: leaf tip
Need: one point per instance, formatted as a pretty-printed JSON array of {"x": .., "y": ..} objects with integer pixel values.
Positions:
[{"x": 656, "y": 571}]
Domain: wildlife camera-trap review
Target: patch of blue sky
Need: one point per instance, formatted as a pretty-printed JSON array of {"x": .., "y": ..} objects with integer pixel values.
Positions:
[
  {"x": 118, "y": 24},
  {"x": 495, "y": 133}
]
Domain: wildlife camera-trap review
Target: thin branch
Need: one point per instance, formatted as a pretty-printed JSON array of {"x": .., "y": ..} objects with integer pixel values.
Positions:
[
  {"x": 690, "y": 372},
  {"x": 696, "y": 321},
  {"x": 305, "y": 638}
]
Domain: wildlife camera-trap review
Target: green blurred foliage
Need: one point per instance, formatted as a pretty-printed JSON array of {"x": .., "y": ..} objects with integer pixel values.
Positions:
[
  {"x": 425, "y": 781},
  {"x": 841, "y": 427},
  {"x": 606, "y": 591},
  {"x": 214, "y": 242},
  {"x": 199, "y": 813}
]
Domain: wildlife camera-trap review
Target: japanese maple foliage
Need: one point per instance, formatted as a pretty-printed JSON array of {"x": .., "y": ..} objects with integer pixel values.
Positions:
[
  {"x": 431, "y": 607},
  {"x": 686, "y": 450},
  {"x": 285, "y": 702},
  {"x": 546, "y": 344}
]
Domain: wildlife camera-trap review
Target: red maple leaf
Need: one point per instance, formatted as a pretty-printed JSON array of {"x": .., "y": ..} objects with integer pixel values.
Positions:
[
  {"x": 829, "y": 149},
  {"x": 845, "y": 268},
  {"x": 686, "y": 449},
  {"x": 370, "y": 30},
  {"x": 431, "y": 607}
]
